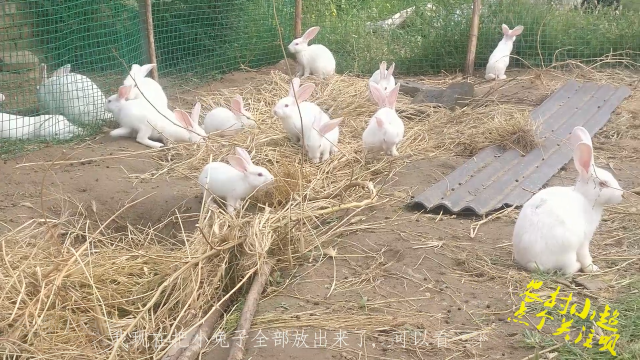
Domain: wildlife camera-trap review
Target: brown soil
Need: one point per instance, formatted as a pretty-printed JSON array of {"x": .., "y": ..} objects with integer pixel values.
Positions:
[{"x": 417, "y": 266}]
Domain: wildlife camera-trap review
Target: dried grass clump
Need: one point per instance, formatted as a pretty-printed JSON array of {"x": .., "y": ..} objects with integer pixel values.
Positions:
[
  {"x": 509, "y": 127},
  {"x": 428, "y": 130}
]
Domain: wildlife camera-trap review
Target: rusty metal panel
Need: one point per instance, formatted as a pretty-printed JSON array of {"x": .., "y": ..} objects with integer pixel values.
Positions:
[{"x": 497, "y": 177}]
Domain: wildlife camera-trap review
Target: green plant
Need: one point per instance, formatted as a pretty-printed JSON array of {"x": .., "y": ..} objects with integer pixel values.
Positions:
[{"x": 435, "y": 39}]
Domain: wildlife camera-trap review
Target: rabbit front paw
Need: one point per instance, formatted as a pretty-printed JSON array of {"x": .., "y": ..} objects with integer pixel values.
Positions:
[{"x": 591, "y": 268}]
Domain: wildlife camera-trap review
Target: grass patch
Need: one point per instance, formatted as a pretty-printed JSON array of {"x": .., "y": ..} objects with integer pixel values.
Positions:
[
  {"x": 628, "y": 346},
  {"x": 434, "y": 40}
]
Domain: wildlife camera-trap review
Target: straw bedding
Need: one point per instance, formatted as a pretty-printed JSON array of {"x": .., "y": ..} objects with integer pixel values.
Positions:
[{"x": 72, "y": 287}]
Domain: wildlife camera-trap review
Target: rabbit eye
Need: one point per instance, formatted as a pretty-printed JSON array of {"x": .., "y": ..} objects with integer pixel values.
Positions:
[
  {"x": 286, "y": 105},
  {"x": 603, "y": 184},
  {"x": 259, "y": 174}
]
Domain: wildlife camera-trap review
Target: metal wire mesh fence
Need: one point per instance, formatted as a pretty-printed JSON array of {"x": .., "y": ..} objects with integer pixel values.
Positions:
[
  {"x": 432, "y": 36},
  {"x": 198, "y": 40},
  {"x": 86, "y": 35},
  {"x": 216, "y": 37},
  {"x": 98, "y": 41}
]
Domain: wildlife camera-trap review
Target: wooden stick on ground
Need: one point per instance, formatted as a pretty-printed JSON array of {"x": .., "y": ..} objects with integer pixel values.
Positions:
[
  {"x": 204, "y": 332},
  {"x": 198, "y": 335},
  {"x": 251, "y": 304}
]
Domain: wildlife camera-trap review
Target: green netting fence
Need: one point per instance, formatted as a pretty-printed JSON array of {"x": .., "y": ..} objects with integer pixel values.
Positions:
[
  {"x": 199, "y": 40},
  {"x": 434, "y": 36}
]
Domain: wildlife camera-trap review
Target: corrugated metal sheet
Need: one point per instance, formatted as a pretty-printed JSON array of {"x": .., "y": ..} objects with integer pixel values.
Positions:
[{"x": 495, "y": 178}]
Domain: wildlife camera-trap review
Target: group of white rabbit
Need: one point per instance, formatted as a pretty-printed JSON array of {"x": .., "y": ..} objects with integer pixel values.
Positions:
[
  {"x": 554, "y": 228},
  {"x": 141, "y": 109},
  {"x": 305, "y": 123},
  {"x": 71, "y": 102},
  {"x": 74, "y": 101}
]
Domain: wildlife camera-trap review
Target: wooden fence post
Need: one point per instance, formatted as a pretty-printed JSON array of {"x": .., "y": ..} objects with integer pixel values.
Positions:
[
  {"x": 145, "y": 13},
  {"x": 473, "y": 38},
  {"x": 297, "y": 25}
]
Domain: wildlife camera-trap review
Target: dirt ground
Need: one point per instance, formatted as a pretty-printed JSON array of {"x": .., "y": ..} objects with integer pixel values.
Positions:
[{"x": 408, "y": 270}]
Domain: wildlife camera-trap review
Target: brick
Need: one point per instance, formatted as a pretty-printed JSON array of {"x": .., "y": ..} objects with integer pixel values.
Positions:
[
  {"x": 7, "y": 46},
  {"x": 18, "y": 60},
  {"x": 25, "y": 44},
  {"x": 412, "y": 88},
  {"x": 455, "y": 95},
  {"x": 9, "y": 8}
]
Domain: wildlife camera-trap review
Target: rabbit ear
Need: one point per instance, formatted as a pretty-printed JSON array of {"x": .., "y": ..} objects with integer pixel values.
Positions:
[
  {"x": 390, "y": 71},
  {"x": 581, "y": 135},
  {"x": 244, "y": 155},
  {"x": 124, "y": 91},
  {"x": 304, "y": 92},
  {"x": 195, "y": 113},
  {"x": 505, "y": 29},
  {"x": 378, "y": 94},
  {"x": 243, "y": 110},
  {"x": 311, "y": 33},
  {"x": 516, "y": 31},
  {"x": 43, "y": 73},
  {"x": 379, "y": 122},
  {"x": 58, "y": 72},
  {"x": 144, "y": 70},
  {"x": 578, "y": 135},
  {"x": 583, "y": 159},
  {"x": 66, "y": 70},
  {"x": 393, "y": 96},
  {"x": 328, "y": 126},
  {"x": 383, "y": 70},
  {"x": 317, "y": 122},
  {"x": 236, "y": 105},
  {"x": 295, "y": 85},
  {"x": 183, "y": 118},
  {"x": 238, "y": 163}
]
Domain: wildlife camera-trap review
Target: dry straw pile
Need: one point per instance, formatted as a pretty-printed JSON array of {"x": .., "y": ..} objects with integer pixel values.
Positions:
[{"x": 73, "y": 287}]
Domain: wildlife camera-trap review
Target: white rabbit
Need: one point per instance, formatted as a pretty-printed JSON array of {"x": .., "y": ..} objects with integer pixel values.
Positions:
[
  {"x": 138, "y": 118},
  {"x": 555, "y": 227},
  {"x": 47, "y": 127},
  {"x": 499, "y": 59},
  {"x": 233, "y": 183},
  {"x": 321, "y": 138},
  {"x": 384, "y": 77},
  {"x": 229, "y": 121},
  {"x": 313, "y": 59},
  {"x": 289, "y": 114},
  {"x": 150, "y": 89},
  {"x": 385, "y": 129},
  {"x": 72, "y": 95}
]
